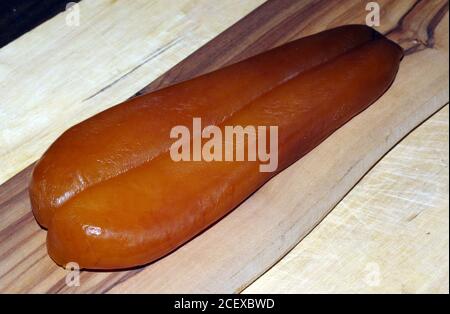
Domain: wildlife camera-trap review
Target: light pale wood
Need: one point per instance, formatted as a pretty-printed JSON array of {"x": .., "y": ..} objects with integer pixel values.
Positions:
[
  {"x": 60, "y": 74},
  {"x": 235, "y": 251},
  {"x": 389, "y": 234}
]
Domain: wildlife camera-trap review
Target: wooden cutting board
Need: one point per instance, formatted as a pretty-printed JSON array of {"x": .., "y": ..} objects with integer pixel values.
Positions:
[{"x": 235, "y": 251}]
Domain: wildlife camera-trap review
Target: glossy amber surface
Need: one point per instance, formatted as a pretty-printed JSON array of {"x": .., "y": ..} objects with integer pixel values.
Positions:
[{"x": 111, "y": 196}]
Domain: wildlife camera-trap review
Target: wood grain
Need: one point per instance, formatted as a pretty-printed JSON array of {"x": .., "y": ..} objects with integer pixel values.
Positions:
[
  {"x": 289, "y": 206},
  {"x": 388, "y": 235}
]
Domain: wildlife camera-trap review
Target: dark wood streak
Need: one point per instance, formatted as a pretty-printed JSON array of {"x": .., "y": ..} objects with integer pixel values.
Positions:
[
  {"x": 19, "y": 199},
  {"x": 437, "y": 18},
  {"x": 9, "y": 230},
  {"x": 13, "y": 249},
  {"x": 129, "y": 274},
  {"x": 265, "y": 12},
  {"x": 34, "y": 263},
  {"x": 17, "y": 17},
  {"x": 21, "y": 221},
  {"x": 15, "y": 186},
  {"x": 58, "y": 286},
  {"x": 227, "y": 47}
]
